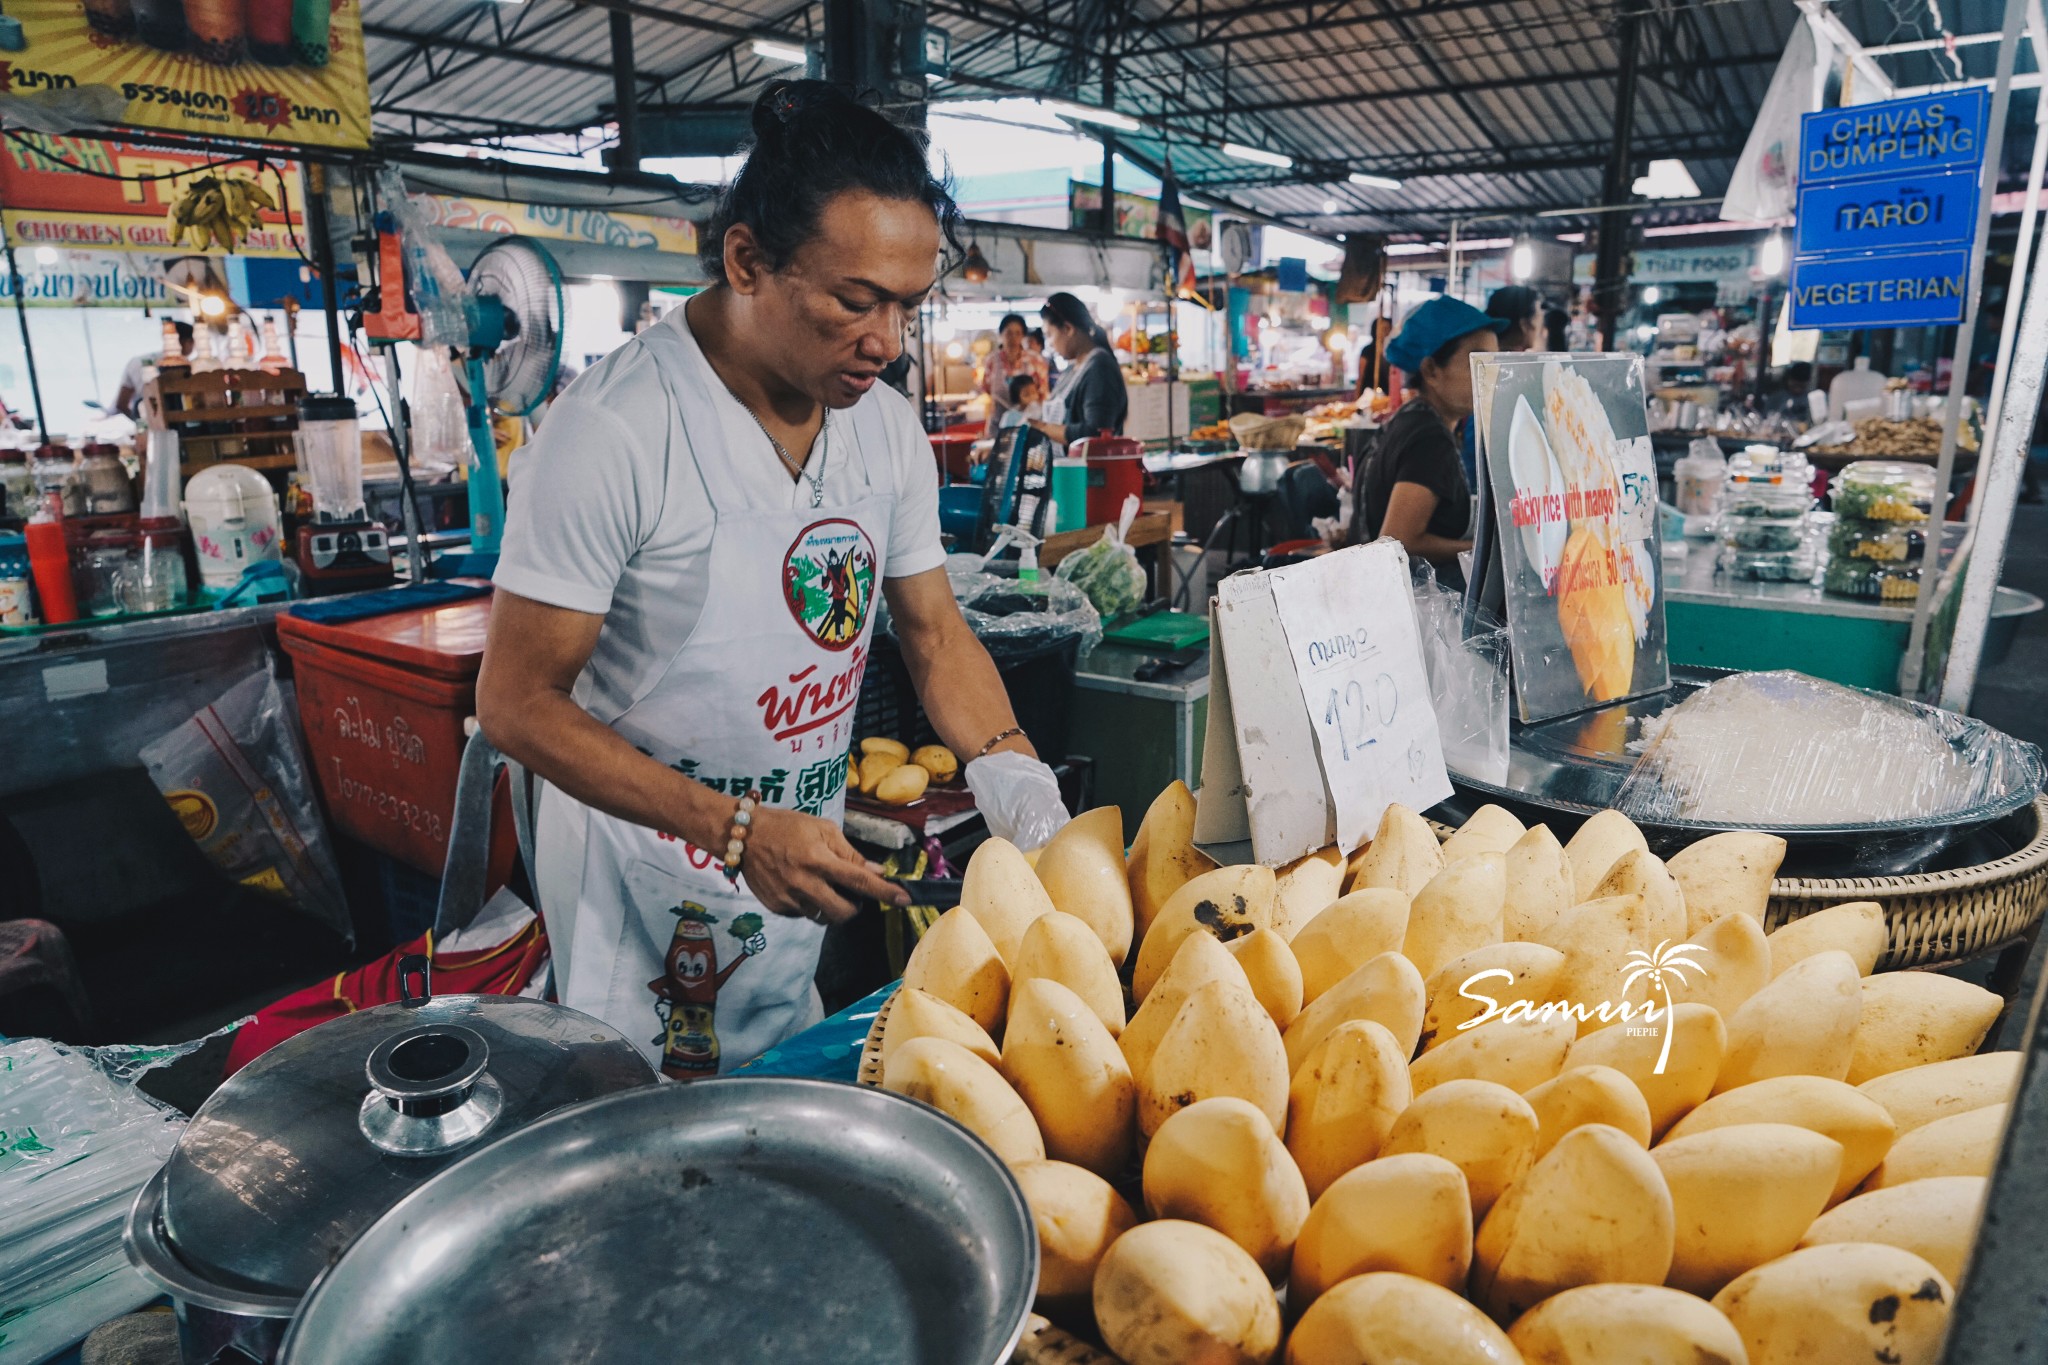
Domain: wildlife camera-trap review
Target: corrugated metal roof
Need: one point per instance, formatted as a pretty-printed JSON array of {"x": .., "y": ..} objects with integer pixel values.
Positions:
[{"x": 1479, "y": 106}]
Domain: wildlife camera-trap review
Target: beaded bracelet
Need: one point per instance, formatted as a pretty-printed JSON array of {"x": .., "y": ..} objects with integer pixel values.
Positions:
[
  {"x": 736, "y": 841},
  {"x": 1014, "y": 732}
]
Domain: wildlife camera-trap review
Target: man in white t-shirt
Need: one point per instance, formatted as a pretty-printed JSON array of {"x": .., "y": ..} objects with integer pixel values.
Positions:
[
  {"x": 128, "y": 393},
  {"x": 696, "y": 542}
]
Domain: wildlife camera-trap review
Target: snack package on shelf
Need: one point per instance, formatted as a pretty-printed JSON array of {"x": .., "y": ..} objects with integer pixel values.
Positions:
[
  {"x": 1763, "y": 522},
  {"x": 1882, "y": 509}
]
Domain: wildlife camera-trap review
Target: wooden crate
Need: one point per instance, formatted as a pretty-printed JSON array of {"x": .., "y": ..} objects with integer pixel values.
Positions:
[{"x": 246, "y": 417}]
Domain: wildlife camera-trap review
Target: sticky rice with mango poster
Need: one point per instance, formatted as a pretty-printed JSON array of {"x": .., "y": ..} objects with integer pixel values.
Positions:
[{"x": 1565, "y": 444}]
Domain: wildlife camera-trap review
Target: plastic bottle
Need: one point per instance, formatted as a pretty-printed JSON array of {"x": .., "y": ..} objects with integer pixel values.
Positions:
[
  {"x": 311, "y": 20},
  {"x": 1859, "y": 384},
  {"x": 15, "y": 606},
  {"x": 50, "y": 564},
  {"x": 270, "y": 31}
]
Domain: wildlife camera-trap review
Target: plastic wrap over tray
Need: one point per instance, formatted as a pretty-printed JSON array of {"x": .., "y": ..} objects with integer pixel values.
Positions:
[{"x": 1782, "y": 750}]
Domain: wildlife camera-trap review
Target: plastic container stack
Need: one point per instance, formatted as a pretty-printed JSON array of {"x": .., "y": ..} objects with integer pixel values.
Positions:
[
  {"x": 75, "y": 1146},
  {"x": 1881, "y": 514},
  {"x": 1764, "y": 508}
]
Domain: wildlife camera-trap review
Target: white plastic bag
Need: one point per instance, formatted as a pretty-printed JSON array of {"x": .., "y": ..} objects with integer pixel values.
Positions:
[
  {"x": 440, "y": 424},
  {"x": 1765, "y": 184}
]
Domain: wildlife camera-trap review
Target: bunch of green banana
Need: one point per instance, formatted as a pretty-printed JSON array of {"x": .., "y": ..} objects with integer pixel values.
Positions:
[{"x": 218, "y": 211}]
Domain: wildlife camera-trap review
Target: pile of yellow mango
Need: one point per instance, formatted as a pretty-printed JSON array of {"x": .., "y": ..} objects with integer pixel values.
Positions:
[
  {"x": 892, "y": 772},
  {"x": 1495, "y": 1099}
]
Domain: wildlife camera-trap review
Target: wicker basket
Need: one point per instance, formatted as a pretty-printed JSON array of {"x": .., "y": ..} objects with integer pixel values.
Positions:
[
  {"x": 1254, "y": 432},
  {"x": 870, "y": 1073},
  {"x": 1936, "y": 919}
]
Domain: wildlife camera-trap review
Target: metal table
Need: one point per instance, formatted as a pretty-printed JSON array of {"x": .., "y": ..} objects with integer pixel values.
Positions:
[
  {"x": 77, "y": 702},
  {"x": 1718, "y": 621}
]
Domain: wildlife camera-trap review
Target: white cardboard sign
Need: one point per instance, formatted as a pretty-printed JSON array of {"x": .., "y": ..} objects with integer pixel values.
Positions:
[{"x": 1321, "y": 674}]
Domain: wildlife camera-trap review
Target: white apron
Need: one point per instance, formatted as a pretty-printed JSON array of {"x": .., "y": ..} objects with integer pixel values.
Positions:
[{"x": 761, "y": 695}]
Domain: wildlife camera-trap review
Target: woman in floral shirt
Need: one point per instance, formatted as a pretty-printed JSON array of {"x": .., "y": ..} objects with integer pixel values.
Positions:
[{"x": 1009, "y": 359}]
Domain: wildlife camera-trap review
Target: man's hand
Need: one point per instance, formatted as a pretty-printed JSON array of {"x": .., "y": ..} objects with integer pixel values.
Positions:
[{"x": 800, "y": 865}]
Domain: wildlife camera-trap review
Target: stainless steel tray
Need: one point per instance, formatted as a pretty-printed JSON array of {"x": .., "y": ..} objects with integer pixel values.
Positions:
[
  {"x": 738, "y": 1221},
  {"x": 1561, "y": 771}
]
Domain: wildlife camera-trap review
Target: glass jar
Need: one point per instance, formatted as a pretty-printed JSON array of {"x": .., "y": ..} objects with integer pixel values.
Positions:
[
  {"x": 55, "y": 468},
  {"x": 17, "y": 484},
  {"x": 102, "y": 572},
  {"x": 108, "y": 489},
  {"x": 156, "y": 578}
]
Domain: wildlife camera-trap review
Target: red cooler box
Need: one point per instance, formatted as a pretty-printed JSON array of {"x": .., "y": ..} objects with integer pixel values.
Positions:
[{"x": 383, "y": 702}]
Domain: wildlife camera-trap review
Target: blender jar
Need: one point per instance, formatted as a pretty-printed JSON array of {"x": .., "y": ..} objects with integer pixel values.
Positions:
[{"x": 330, "y": 447}]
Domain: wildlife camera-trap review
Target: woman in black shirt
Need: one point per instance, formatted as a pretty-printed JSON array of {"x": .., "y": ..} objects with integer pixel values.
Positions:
[
  {"x": 1089, "y": 398},
  {"x": 1414, "y": 487}
]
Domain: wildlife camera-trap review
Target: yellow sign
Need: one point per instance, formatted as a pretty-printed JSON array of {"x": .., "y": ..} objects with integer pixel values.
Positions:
[
  {"x": 561, "y": 223},
  {"x": 289, "y": 71},
  {"x": 89, "y": 194}
]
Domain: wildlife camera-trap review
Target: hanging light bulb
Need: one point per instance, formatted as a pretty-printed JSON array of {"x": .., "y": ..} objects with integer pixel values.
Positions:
[
  {"x": 1522, "y": 260},
  {"x": 975, "y": 269},
  {"x": 1771, "y": 260}
]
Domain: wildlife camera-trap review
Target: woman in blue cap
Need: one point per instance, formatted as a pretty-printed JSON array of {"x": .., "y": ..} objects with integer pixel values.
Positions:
[{"x": 1414, "y": 487}]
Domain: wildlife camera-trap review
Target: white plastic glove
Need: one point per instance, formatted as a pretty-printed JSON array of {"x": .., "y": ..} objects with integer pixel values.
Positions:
[{"x": 1018, "y": 796}]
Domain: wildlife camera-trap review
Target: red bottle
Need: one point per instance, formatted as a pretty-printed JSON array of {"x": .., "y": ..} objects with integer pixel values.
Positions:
[
  {"x": 49, "y": 562},
  {"x": 270, "y": 31}
]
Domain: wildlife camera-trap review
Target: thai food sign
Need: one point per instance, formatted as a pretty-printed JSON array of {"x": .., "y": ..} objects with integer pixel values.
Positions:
[{"x": 289, "y": 71}]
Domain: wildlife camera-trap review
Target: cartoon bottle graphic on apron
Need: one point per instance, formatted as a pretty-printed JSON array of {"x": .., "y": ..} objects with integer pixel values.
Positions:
[{"x": 686, "y": 996}]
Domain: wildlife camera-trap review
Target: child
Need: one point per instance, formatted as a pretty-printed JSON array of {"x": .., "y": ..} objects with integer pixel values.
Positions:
[{"x": 1027, "y": 399}]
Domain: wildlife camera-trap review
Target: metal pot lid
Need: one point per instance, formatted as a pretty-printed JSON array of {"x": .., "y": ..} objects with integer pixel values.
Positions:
[
  {"x": 306, "y": 1146},
  {"x": 745, "y": 1221}
]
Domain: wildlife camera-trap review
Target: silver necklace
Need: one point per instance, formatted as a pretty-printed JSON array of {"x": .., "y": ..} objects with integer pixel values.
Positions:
[{"x": 817, "y": 481}]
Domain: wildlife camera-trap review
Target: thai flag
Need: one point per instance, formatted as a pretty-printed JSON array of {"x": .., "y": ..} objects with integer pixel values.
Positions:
[{"x": 1173, "y": 235}]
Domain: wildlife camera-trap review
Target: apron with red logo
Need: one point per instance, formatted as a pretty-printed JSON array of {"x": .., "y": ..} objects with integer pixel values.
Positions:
[{"x": 760, "y": 696}]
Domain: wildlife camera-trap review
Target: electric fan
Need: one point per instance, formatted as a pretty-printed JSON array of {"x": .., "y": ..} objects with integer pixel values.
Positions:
[
  {"x": 502, "y": 321},
  {"x": 512, "y": 302}
]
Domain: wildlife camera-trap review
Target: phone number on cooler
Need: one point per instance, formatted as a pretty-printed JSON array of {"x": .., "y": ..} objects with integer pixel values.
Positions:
[{"x": 396, "y": 809}]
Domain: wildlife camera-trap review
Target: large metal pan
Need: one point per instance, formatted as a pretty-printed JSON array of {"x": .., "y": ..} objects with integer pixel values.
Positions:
[
  {"x": 741, "y": 1221},
  {"x": 1562, "y": 771}
]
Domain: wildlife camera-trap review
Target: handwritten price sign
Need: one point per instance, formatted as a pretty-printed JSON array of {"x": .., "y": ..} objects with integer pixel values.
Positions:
[{"x": 1349, "y": 620}]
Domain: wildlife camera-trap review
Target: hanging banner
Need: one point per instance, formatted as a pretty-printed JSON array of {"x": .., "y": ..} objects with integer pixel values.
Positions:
[
  {"x": 287, "y": 71},
  {"x": 92, "y": 279},
  {"x": 561, "y": 223},
  {"x": 1564, "y": 444},
  {"x": 1137, "y": 215},
  {"x": 56, "y": 191}
]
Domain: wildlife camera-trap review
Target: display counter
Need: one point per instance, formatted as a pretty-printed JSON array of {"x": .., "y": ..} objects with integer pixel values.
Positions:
[{"x": 1717, "y": 620}]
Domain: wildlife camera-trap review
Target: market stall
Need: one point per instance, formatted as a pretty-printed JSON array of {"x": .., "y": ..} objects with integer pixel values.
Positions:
[{"x": 1622, "y": 957}]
